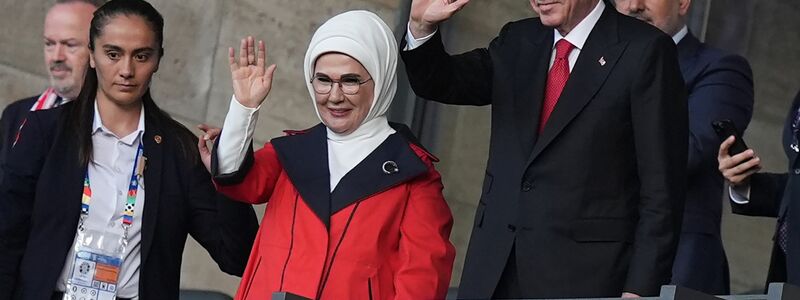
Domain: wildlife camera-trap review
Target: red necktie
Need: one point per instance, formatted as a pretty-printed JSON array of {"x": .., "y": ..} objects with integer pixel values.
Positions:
[{"x": 556, "y": 80}]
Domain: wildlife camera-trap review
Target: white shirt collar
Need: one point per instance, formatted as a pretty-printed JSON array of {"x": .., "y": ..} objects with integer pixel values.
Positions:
[
  {"x": 680, "y": 35},
  {"x": 97, "y": 125},
  {"x": 577, "y": 37}
]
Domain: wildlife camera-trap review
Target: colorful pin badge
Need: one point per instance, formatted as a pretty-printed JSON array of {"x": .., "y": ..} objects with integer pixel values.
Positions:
[{"x": 157, "y": 138}]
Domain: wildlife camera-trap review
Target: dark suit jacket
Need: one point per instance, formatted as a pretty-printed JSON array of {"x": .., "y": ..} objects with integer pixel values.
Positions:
[
  {"x": 593, "y": 204},
  {"x": 720, "y": 86},
  {"x": 40, "y": 199},
  {"x": 773, "y": 195},
  {"x": 12, "y": 117}
]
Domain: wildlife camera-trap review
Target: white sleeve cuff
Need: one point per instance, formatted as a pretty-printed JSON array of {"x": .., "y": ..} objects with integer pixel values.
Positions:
[
  {"x": 412, "y": 42},
  {"x": 237, "y": 134},
  {"x": 740, "y": 194}
]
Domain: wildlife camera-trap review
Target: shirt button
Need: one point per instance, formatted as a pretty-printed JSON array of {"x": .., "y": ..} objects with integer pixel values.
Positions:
[
  {"x": 119, "y": 193},
  {"x": 111, "y": 224}
]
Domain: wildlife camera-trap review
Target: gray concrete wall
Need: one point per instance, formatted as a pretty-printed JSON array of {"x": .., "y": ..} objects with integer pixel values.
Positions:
[{"x": 193, "y": 84}]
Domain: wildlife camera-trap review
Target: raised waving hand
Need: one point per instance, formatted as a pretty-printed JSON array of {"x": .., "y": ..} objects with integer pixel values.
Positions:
[
  {"x": 252, "y": 79},
  {"x": 427, "y": 14}
]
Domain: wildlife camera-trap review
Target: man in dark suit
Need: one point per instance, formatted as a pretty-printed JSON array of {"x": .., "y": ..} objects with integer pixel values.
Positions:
[
  {"x": 66, "y": 56},
  {"x": 720, "y": 86},
  {"x": 770, "y": 195},
  {"x": 581, "y": 196}
]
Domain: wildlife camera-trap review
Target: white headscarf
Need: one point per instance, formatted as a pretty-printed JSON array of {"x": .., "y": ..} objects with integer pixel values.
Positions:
[{"x": 363, "y": 36}]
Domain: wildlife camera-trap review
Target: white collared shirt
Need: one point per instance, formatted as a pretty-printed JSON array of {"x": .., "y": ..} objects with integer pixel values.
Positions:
[
  {"x": 680, "y": 35},
  {"x": 109, "y": 175},
  {"x": 234, "y": 141},
  {"x": 577, "y": 37}
]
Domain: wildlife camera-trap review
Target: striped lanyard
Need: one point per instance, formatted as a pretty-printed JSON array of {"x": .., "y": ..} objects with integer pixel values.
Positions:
[{"x": 133, "y": 189}]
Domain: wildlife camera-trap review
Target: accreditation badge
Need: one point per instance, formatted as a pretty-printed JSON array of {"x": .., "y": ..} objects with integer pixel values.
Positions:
[{"x": 96, "y": 266}]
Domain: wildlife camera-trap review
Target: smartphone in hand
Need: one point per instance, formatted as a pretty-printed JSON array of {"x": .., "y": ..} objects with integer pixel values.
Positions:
[{"x": 726, "y": 128}]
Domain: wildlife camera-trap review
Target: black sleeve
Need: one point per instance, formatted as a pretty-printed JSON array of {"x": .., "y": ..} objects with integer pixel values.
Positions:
[
  {"x": 463, "y": 79},
  {"x": 17, "y": 195},
  {"x": 225, "y": 228},
  {"x": 766, "y": 193},
  {"x": 660, "y": 123}
]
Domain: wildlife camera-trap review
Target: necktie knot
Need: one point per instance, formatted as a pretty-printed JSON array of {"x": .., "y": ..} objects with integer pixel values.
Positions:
[{"x": 563, "y": 48}]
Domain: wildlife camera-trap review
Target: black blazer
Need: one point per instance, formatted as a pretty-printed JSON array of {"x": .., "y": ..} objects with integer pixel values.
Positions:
[
  {"x": 12, "y": 117},
  {"x": 593, "y": 204},
  {"x": 40, "y": 206},
  {"x": 772, "y": 195}
]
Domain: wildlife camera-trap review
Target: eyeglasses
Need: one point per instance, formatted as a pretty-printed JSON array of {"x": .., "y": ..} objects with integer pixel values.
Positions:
[{"x": 348, "y": 85}]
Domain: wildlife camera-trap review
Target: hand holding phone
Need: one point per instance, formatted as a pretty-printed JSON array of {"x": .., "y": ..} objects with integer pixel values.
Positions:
[
  {"x": 736, "y": 163},
  {"x": 726, "y": 128}
]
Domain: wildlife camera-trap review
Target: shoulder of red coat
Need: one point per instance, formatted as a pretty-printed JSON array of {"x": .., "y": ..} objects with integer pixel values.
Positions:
[{"x": 423, "y": 153}]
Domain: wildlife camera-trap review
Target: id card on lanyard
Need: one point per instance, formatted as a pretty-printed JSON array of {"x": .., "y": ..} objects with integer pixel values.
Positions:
[{"x": 99, "y": 255}]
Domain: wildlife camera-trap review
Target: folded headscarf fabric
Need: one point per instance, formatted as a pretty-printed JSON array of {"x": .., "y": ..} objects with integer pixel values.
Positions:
[{"x": 363, "y": 36}]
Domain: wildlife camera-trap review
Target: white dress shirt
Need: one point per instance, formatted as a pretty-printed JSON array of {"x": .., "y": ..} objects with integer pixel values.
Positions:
[
  {"x": 236, "y": 136},
  {"x": 577, "y": 37},
  {"x": 109, "y": 175},
  {"x": 680, "y": 35}
]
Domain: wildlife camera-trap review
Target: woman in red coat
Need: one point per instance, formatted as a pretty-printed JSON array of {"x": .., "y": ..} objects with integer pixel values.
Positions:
[{"x": 355, "y": 207}]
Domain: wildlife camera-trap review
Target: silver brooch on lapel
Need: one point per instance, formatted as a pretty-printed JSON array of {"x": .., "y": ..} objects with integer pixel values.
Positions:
[
  {"x": 602, "y": 61},
  {"x": 390, "y": 167}
]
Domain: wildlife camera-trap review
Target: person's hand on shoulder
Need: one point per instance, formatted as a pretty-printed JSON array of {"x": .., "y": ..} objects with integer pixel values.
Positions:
[{"x": 210, "y": 133}]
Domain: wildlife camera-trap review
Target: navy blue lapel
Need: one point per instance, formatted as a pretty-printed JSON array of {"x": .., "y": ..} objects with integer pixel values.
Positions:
[
  {"x": 368, "y": 177},
  {"x": 530, "y": 78},
  {"x": 305, "y": 158},
  {"x": 154, "y": 140},
  {"x": 688, "y": 49},
  {"x": 586, "y": 77}
]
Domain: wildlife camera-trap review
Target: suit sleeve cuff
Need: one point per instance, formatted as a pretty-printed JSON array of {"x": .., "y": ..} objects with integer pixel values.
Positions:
[
  {"x": 740, "y": 194},
  {"x": 236, "y": 136},
  {"x": 412, "y": 42}
]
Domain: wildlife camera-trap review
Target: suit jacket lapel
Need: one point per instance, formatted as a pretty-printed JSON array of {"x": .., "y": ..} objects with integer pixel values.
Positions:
[
  {"x": 304, "y": 157},
  {"x": 368, "y": 177},
  {"x": 687, "y": 54},
  {"x": 530, "y": 77},
  {"x": 586, "y": 77},
  {"x": 153, "y": 140}
]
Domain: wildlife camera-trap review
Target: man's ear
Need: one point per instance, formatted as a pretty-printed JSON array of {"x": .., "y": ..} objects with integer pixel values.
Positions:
[{"x": 683, "y": 7}]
